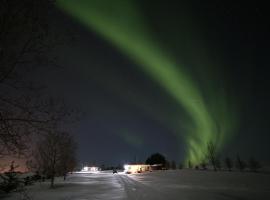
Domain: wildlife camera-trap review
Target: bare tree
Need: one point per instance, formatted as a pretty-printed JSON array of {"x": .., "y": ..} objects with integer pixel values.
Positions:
[
  {"x": 41, "y": 116},
  {"x": 23, "y": 36},
  {"x": 68, "y": 156},
  {"x": 211, "y": 154},
  {"x": 25, "y": 42},
  {"x": 55, "y": 155}
]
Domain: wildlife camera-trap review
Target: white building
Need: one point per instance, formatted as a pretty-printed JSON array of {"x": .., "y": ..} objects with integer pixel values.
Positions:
[
  {"x": 90, "y": 169},
  {"x": 136, "y": 168}
]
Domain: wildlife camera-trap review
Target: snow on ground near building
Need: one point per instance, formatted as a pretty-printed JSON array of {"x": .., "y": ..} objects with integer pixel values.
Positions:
[{"x": 159, "y": 185}]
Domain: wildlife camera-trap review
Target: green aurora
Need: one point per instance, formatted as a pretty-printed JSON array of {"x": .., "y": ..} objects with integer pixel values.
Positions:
[{"x": 121, "y": 24}]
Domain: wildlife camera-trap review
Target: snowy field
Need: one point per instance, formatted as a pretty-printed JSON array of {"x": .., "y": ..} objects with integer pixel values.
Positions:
[{"x": 160, "y": 185}]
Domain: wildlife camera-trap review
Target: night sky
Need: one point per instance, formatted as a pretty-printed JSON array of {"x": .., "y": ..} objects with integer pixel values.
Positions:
[{"x": 128, "y": 114}]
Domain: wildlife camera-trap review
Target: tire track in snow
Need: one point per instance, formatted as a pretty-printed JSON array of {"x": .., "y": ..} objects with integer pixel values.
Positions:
[{"x": 136, "y": 190}]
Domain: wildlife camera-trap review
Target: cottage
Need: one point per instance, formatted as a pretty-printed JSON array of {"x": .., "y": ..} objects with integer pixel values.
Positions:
[
  {"x": 136, "y": 168},
  {"x": 90, "y": 169}
]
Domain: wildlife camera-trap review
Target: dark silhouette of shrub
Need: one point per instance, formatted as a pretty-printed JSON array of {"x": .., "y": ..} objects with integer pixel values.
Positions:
[
  {"x": 180, "y": 166},
  {"x": 218, "y": 164},
  {"x": 11, "y": 181},
  {"x": 228, "y": 163},
  {"x": 254, "y": 165},
  {"x": 190, "y": 165},
  {"x": 173, "y": 165},
  {"x": 240, "y": 164},
  {"x": 203, "y": 165}
]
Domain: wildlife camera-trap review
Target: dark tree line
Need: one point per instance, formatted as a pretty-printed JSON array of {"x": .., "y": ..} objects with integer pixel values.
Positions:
[
  {"x": 156, "y": 158},
  {"x": 160, "y": 159},
  {"x": 214, "y": 160},
  {"x": 211, "y": 160}
]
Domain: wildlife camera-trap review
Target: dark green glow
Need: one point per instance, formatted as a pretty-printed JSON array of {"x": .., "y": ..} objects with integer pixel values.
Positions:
[
  {"x": 121, "y": 23},
  {"x": 131, "y": 138}
]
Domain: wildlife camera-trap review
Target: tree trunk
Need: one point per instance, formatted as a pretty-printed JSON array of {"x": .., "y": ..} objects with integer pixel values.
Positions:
[{"x": 52, "y": 181}]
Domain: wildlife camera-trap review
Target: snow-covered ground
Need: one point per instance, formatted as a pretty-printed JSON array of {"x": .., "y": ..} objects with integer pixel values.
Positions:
[{"x": 159, "y": 185}]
